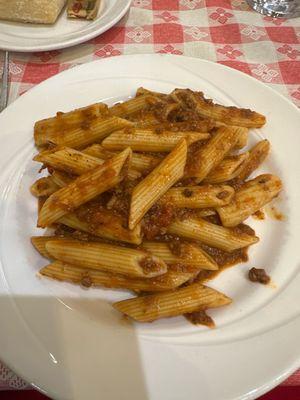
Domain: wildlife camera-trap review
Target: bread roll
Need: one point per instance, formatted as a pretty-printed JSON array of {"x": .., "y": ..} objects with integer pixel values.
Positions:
[{"x": 31, "y": 11}]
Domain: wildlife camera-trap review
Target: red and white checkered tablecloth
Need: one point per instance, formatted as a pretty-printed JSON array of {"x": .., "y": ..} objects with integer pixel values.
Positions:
[{"x": 224, "y": 31}]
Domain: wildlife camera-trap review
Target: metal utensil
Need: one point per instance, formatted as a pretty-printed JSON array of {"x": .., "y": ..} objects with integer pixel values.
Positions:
[{"x": 4, "y": 81}]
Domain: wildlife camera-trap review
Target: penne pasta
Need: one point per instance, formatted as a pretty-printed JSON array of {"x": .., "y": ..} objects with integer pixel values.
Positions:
[
  {"x": 98, "y": 151},
  {"x": 212, "y": 153},
  {"x": 148, "y": 140},
  {"x": 249, "y": 198},
  {"x": 41, "y": 202},
  {"x": 83, "y": 189},
  {"x": 104, "y": 224},
  {"x": 107, "y": 257},
  {"x": 214, "y": 235},
  {"x": 62, "y": 122},
  {"x": 257, "y": 155},
  {"x": 44, "y": 187},
  {"x": 140, "y": 162},
  {"x": 199, "y": 196},
  {"x": 93, "y": 131},
  {"x": 142, "y": 91},
  {"x": 184, "y": 254},
  {"x": 92, "y": 277},
  {"x": 228, "y": 169},
  {"x": 131, "y": 106},
  {"x": 68, "y": 160},
  {"x": 150, "y": 189},
  {"x": 75, "y": 162},
  {"x": 39, "y": 243},
  {"x": 242, "y": 140},
  {"x": 206, "y": 212},
  {"x": 228, "y": 115},
  {"x": 61, "y": 179},
  {"x": 144, "y": 163},
  {"x": 195, "y": 297},
  {"x": 149, "y": 195}
]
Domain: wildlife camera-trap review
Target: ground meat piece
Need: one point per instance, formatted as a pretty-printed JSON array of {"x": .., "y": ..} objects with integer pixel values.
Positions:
[
  {"x": 176, "y": 248},
  {"x": 83, "y": 236},
  {"x": 258, "y": 275},
  {"x": 184, "y": 213},
  {"x": 121, "y": 197},
  {"x": 86, "y": 281},
  {"x": 200, "y": 318},
  {"x": 149, "y": 265},
  {"x": 222, "y": 195},
  {"x": 187, "y": 192},
  {"x": 85, "y": 125},
  {"x": 157, "y": 219},
  {"x": 236, "y": 183},
  {"x": 259, "y": 215}
]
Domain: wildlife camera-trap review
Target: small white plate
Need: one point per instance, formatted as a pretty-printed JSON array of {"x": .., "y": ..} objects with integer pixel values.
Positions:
[
  {"x": 69, "y": 342},
  {"x": 65, "y": 32}
]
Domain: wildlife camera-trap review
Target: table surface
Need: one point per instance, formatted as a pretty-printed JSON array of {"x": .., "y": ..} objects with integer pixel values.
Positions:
[{"x": 223, "y": 31}]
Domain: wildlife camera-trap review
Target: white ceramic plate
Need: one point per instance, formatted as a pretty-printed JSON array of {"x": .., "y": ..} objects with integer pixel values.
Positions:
[
  {"x": 69, "y": 342},
  {"x": 65, "y": 32}
]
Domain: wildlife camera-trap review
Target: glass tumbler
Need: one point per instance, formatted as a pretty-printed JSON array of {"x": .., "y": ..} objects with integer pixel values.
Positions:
[{"x": 277, "y": 8}]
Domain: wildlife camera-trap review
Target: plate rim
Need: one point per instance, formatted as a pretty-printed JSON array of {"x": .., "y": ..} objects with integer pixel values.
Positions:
[
  {"x": 272, "y": 384},
  {"x": 72, "y": 41}
]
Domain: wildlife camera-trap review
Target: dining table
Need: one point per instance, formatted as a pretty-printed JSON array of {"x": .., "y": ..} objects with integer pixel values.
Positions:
[{"x": 227, "y": 32}]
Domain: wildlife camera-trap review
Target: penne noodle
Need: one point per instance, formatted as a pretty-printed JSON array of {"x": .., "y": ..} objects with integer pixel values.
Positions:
[
  {"x": 92, "y": 277},
  {"x": 61, "y": 179},
  {"x": 98, "y": 151},
  {"x": 199, "y": 196},
  {"x": 44, "y": 187},
  {"x": 228, "y": 169},
  {"x": 242, "y": 140},
  {"x": 212, "y": 153},
  {"x": 227, "y": 239},
  {"x": 93, "y": 131},
  {"x": 84, "y": 188},
  {"x": 186, "y": 254},
  {"x": 107, "y": 257},
  {"x": 105, "y": 224},
  {"x": 148, "y": 140},
  {"x": 206, "y": 212},
  {"x": 41, "y": 202},
  {"x": 228, "y": 115},
  {"x": 62, "y": 122},
  {"x": 131, "y": 106},
  {"x": 142, "y": 91},
  {"x": 144, "y": 163},
  {"x": 249, "y": 198},
  {"x": 150, "y": 189},
  {"x": 75, "y": 162},
  {"x": 68, "y": 160},
  {"x": 195, "y": 297},
  {"x": 257, "y": 155},
  {"x": 140, "y": 162},
  {"x": 39, "y": 243}
]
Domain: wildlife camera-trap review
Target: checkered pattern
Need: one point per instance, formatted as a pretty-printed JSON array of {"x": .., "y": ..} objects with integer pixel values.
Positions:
[{"x": 224, "y": 31}]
